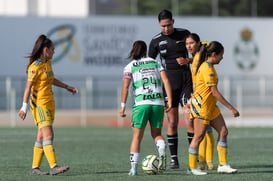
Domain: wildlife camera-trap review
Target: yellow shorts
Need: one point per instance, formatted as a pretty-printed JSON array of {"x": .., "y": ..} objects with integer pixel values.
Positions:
[
  {"x": 43, "y": 114},
  {"x": 207, "y": 115}
]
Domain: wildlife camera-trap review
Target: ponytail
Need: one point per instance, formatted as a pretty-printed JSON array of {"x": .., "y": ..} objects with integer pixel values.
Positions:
[
  {"x": 37, "y": 50},
  {"x": 206, "y": 51},
  {"x": 202, "y": 56},
  {"x": 138, "y": 51}
]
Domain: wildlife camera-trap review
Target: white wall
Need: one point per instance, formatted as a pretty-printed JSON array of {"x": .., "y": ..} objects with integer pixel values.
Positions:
[
  {"x": 54, "y": 8},
  {"x": 13, "y": 7},
  {"x": 63, "y": 8}
]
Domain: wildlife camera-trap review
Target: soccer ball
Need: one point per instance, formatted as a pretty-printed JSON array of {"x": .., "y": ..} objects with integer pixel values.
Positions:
[{"x": 150, "y": 164}]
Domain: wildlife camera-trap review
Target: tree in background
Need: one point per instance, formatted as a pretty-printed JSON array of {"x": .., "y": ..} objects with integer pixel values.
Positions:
[{"x": 238, "y": 8}]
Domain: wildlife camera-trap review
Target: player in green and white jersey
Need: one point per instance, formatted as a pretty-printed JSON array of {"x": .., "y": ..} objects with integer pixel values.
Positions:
[{"x": 147, "y": 77}]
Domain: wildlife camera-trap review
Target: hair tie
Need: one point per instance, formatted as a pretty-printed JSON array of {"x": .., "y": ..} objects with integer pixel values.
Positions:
[{"x": 206, "y": 43}]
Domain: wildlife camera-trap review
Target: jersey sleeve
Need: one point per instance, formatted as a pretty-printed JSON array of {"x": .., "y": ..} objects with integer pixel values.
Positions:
[
  {"x": 33, "y": 73},
  {"x": 153, "y": 50},
  {"x": 161, "y": 68},
  {"x": 210, "y": 77},
  {"x": 127, "y": 72}
]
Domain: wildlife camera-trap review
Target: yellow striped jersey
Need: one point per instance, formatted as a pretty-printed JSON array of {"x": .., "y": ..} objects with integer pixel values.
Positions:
[
  {"x": 203, "y": 103},
  {"x": 41, "y": 75}
]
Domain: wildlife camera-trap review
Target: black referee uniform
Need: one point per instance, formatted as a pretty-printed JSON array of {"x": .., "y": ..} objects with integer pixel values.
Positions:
[{"x": 170, "y": 47}]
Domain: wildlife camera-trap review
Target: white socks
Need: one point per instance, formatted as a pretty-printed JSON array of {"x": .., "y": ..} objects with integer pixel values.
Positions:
[
  {"x": 161, "y": 147},
  {"x": 134, "y": 158}
]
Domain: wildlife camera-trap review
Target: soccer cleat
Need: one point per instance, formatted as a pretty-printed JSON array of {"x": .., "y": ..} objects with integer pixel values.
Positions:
[
  {"x": 162, "y": 163},
  {"x": 57, "y": 170},
  {"x": 210, "y": 166},
  {"x": 202, "y": 165},
  {"x": 174, "y": 164},
  {"x": 226, "y": 169},
  {"x": 196, "y": 171},
  {"x": 132, "y": 172},
  {"x": 37, "y": 171}
]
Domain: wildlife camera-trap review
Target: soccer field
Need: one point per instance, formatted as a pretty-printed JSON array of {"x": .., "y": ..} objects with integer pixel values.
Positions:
[{"x": 103, "y": 154}]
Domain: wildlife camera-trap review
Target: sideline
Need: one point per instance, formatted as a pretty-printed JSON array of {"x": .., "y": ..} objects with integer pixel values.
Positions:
[{"x": 110, "y": 118}]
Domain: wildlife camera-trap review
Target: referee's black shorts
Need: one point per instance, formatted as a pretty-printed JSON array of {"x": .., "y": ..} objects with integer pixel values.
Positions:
[{"x": 181, "y": 83}]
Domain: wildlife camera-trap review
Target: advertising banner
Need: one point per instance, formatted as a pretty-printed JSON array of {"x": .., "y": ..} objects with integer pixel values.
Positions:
[{"x": 100, "y": 45}]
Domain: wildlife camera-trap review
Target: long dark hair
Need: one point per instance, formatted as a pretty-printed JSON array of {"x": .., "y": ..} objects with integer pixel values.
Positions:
[
  {"x": 206, "y": 51},
  {"x": 195, "y": 37},
  {"x": 37, "y": 50},
  {"x": 138, "y": 50}
]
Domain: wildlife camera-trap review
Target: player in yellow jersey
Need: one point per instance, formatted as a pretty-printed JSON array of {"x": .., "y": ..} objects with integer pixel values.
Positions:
[
  {"x": 39, "y": 90},
  {"x": 204, "y": 111},
  {"x": 205, "y": 159}
]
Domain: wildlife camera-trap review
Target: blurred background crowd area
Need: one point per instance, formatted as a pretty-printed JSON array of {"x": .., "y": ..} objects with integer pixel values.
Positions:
[{"x": 84, "y": 8}]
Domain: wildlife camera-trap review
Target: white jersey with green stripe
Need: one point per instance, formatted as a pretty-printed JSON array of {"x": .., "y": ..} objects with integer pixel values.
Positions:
[{"x": 146, "y": 81}]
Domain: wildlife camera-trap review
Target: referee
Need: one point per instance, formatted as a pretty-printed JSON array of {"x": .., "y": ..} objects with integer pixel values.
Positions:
[{"x": 170, "y": 45}]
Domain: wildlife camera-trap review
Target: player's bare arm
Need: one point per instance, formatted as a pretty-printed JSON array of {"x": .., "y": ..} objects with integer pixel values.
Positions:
[
  {"x": 23, "y": 110},
  {"x": 182, "y": 61},
  {"x": 124, "y": 95},
  {"x": 58, "y": 83},
  {"x": 221, "y": 99},
  {"x": 168, "y": 90}
]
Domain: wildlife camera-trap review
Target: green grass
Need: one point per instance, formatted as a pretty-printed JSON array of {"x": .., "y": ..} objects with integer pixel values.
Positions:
[{"x": 103, "y": 154}]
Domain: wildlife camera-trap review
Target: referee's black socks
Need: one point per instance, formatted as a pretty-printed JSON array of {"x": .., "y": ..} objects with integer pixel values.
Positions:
[
  {"x": 190, "y": 137},
  {"x": 173, "y": 145}
]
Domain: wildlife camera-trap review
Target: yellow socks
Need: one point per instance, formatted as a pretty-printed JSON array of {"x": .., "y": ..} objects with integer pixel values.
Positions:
[
  {"x": 50, "y": 152},
  {"x": 206, "y": 147},
  {"x": 43, "y": 148},
  {"x": 222, "y": 152},
  {"x": 202, "y": 150},
  {"x": 209, "y": 146},
  {"x": 193, "y": 154},
  {"x": 38, "y": 153}
]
